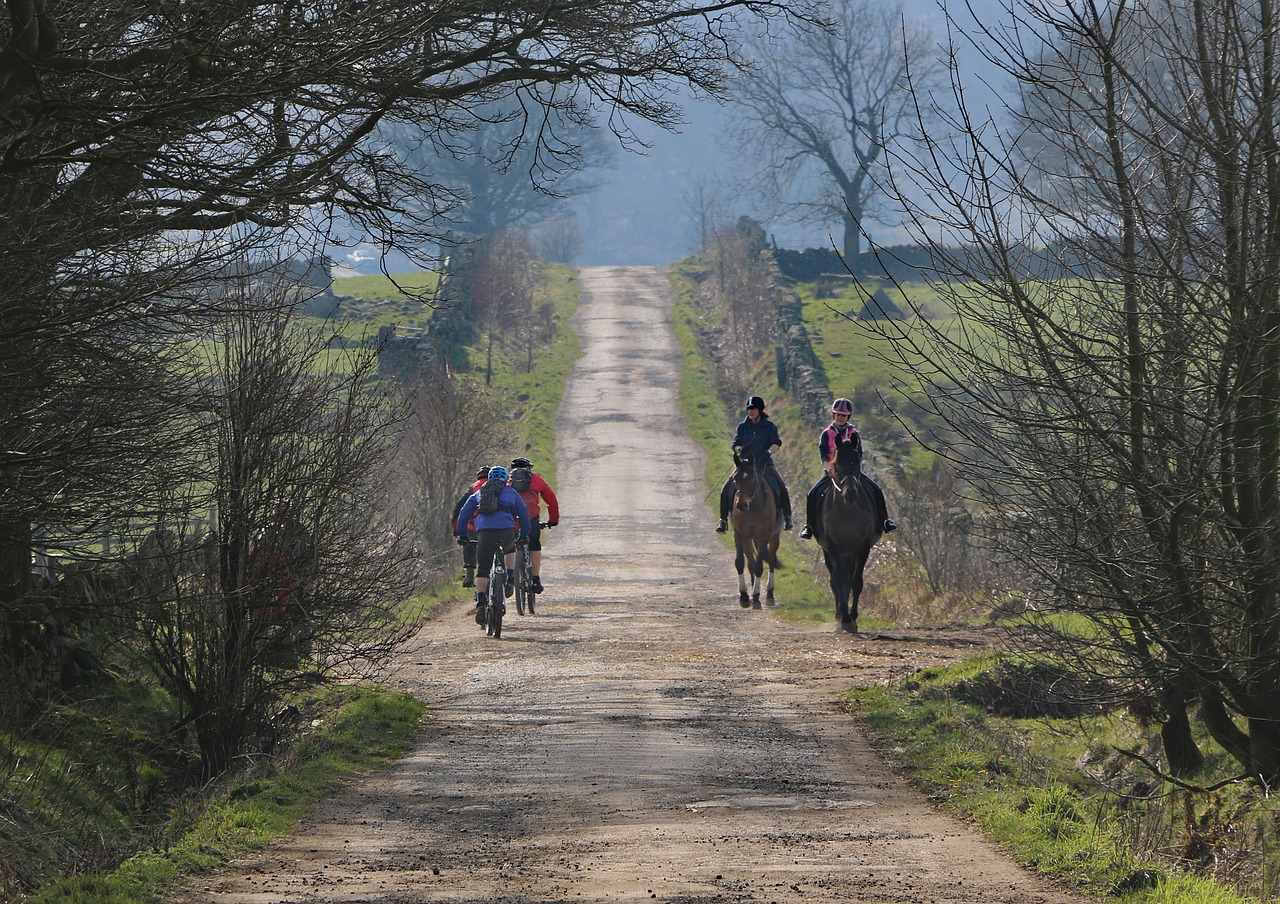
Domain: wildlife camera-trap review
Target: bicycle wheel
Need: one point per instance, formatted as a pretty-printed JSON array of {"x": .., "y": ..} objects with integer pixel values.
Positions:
[
  {"x": 523, "y": 595},
  {"x": 497, "y": 604},
  {"x": 526, "y": 575}
]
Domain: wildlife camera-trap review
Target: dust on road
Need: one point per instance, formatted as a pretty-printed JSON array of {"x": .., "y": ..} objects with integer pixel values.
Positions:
[{"x": 642, "y": 738}]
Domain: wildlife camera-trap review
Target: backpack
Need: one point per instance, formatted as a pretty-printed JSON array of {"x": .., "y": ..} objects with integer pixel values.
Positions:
[
  {"x": 520, "y": 479},
  {"x": 489, "y": 494}
]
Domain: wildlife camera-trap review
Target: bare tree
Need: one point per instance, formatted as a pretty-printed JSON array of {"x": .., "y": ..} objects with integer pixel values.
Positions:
[
  {"x": 820, "y": 106},
  {"x": 1115, "y": 388},
  {"x": 301, "y": 579},
  {"x": 559, "y": 240},
  {"x": 510, "y": 164},
  {"x": 502, "y": 286},
  {"x": 449, "y": 435}
]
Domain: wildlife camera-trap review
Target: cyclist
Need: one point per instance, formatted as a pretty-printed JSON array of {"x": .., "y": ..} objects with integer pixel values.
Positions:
[
  {"x": 495, "y": 530},
  {"x": 534, "y": 490},
  {"x": 468, "y": 542},
  {"x": 759, "y": 436},
  {"x": 840, "y": 428}
]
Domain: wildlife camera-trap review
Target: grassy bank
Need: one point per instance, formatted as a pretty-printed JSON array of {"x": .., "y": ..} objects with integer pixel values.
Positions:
[
  {"x": 345, "y": 731},
  {"x": 1025, "y": 782}
]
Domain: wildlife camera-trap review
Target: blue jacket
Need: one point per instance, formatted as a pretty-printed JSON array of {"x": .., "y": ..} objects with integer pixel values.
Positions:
[
  {"x": 512, "y": 512},
  {"x": 757, "y": 438}
]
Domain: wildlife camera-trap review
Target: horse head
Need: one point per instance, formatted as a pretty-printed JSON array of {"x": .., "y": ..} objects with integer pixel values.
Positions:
[
  {"x": 746, "y": 478},
  {"x": 848, "y": 469}
]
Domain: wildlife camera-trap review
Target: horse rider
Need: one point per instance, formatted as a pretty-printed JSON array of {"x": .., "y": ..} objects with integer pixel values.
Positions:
[
  {"x": 468, "y": 542},
  {"x": 759, "y": 436},
  {"x": 840, "y": 429},
  {"x": 534, "y": 492},
  {"x": 495, "y": 530}
]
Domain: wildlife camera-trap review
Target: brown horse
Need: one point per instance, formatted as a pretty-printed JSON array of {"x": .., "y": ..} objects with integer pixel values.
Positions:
[
  {"x": 849, "y": 530},
  {"x": 757, "y": 529}
]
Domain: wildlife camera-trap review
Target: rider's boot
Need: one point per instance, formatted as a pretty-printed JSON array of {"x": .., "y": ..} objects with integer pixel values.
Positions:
[
  {"x": 469, "y": 579},
  {"x": 889, "y": 526},
  {"x": 481, "y": 602},
  {"x": 787, "y": 523},
  {"x": 536, "y": 586},
  {"x": 722, "y": 526},
  {"x": 806, "y": 533}
]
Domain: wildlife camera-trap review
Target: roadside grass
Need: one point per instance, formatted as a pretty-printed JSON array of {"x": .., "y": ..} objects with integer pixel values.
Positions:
[
  {"x": 534, "y": 397},
  {"x": 351, "y": 730},
  {"x": 1020, "y": 781}
]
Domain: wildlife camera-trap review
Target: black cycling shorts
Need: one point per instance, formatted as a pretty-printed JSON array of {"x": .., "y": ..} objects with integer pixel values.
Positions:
[{"x": 490, "y": 541}]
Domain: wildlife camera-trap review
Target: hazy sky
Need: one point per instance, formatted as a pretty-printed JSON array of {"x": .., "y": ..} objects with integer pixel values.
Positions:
[{"x": 644, "y": 212}]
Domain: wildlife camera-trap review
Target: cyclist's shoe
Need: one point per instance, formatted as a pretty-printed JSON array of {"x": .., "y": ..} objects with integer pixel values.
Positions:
[
  {"x": 469, "y": 579},
  {"x": 787, "y": 523},
  {"x": 889, "y": 526},
  {"x": 509, "y": 589},
  {"x": 480, "y": 614},
  {"x": 536, "y": 586},
  {"x": 721, "y": 526},
  {"x": 806, "y": 533}
]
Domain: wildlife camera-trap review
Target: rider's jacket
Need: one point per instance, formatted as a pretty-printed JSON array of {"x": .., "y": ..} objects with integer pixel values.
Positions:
[
  {"x": 512, "y": 512},
  {"x": 757, "y": 438},
  {"x": 833, "y": 436},
  {"x": 540, "y": 488}
]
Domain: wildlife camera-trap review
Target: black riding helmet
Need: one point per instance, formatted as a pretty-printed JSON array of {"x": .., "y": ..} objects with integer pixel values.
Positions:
[
  {"x": 756, "y": 402},
  {"x": 521, "y": 463},
  {"x": 482, "y": 471}
]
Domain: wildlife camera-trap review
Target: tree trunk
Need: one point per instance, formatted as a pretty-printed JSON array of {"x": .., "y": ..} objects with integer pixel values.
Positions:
[
  {"x": 852, "y": 243},
  {"x": 1181, "y": 754},
  {"x": 15, "y": 562}
]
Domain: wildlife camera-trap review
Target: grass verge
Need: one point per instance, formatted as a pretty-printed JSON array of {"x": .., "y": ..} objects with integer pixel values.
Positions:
[
  {"x": 353, "y": 730},
  {"x": 1003, "y": 774}
]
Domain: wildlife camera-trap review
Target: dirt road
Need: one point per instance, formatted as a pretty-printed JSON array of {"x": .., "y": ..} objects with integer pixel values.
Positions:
[{"x": 642, "y": 738}]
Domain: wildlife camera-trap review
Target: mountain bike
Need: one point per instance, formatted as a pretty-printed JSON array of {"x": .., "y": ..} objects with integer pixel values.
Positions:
[
  {"x": 496, "y": 605},
  {"x": 525, "y": 596}
]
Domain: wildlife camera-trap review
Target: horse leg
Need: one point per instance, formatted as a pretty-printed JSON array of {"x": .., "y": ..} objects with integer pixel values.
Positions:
[
  {"x": 739, "y": 561},
  {"x": 859, "y": 569},
  {"x": 773, "y": 565},
  {"x": 756, "y": 566}
]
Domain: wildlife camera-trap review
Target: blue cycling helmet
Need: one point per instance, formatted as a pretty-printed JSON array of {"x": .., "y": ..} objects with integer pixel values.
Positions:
[{"x": 498, "y": 472}]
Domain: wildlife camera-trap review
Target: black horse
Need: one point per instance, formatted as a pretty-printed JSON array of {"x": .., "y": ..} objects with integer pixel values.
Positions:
[
  {"x": 757, "y": 529},
  {"x": 850, "y": 528}
]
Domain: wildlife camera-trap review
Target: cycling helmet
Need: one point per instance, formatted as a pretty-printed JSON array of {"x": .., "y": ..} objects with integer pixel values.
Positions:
[
  {"x": 756, "y": 402},
  {"x": 842, "y": 406},
  {"x": 521, "y": 463},
  {"x": 498, "y": 472},
  {"x": 482, "y": 472}
]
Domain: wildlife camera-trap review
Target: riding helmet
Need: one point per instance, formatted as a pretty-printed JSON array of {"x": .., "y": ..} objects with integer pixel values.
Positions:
[
  {"x": 482, "y": 472},
  {"x": 498, "y": 472},
  {"x": 842, "y": 406},
  {"x": 521, "y": 463},
  {"x": 756, "y": 402}
]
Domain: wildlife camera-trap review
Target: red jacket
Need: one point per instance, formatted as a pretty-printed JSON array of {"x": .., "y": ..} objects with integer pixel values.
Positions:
[
  {"x": 540, "y": 488},
  {"x": 457, "y": 506}
]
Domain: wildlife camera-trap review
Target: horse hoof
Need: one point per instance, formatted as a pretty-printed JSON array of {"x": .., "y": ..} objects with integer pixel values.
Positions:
[
  {"x": 850, "y": 625},
  {"x": 744, "y": 601},
  {"x": 755, "y": 603}
]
